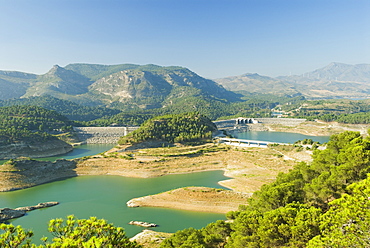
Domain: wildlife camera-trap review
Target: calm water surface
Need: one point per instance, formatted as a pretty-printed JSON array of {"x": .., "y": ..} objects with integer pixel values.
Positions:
[
  {"x": 281, "y": 137},
  {"x": 82, "y": 151},
  {"x": 79, "y": 152},
  {"x": 106, "y": 197}
]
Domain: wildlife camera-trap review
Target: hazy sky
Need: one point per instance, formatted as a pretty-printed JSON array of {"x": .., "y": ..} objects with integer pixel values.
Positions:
[{"x": 214, "y": 38}]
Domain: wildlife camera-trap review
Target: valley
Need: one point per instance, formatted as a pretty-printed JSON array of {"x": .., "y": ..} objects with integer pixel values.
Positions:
[{"x": 174, "y": 107}]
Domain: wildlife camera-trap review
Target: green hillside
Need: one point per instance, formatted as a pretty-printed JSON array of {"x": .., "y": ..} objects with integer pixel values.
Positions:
[
  {"x": 181, "y": 128},
  {"x": 30, "y": 124},
  {"x": 71, "y": 110}
]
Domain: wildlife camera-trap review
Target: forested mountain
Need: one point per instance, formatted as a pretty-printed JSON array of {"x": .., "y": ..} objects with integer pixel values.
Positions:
[
  {"x": 59, "y": 81},
  {"x": 71, "y": 110},
  {"x": 336, "y": 80},
  {"x": 123, "y": 86},
  {"x": 258, "y": 105},
  {"x": 130, "y": 86}
]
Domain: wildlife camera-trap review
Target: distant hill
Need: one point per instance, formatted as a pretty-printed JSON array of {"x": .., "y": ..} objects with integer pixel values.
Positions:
[
  {"x": 14, "y": 84},
  {"x": 125, "y": 86},
  {"x": 335, "y": 80},
  {"x": 255, "y": 83},
  {"x": 338, "y": 72},
  {"x": 59, "y": 81},
  {"x": 131, "y": 87}
]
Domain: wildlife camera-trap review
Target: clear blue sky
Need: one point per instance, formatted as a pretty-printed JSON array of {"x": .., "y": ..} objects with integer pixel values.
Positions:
[{"x": 214, "y": 38}]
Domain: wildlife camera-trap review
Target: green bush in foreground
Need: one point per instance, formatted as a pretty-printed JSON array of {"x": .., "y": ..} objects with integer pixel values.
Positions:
[
  {"x": 84, "y": 233},
  {"x": 325, "y": 203}
]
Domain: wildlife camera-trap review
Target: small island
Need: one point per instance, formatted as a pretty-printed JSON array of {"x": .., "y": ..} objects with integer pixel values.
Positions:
[
  {"x": 142, "y": 223},
  {"x": 9, "y": 213},
  {"x": 201, "y": 199}
]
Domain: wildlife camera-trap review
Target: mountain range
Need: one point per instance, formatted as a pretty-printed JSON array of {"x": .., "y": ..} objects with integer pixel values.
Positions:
[
  {"x": 336, "y": 80},
  {"x": 129, "y": 86},
  {"x": 126, "y": 86}
]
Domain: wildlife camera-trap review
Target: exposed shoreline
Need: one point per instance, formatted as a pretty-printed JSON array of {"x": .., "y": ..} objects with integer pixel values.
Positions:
[
  {"x": 246, "y": 176},
  {"x": 249, "y": 168},
  {"x": 201, "y": 199}
]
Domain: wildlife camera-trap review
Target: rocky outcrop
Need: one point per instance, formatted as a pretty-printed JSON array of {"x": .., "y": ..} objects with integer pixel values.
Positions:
[
  {"x": 38, "y": 206},
  {"x": 132, "y": 204},
  {"x": 150, "y": 238},
  {"x": 8, "y": 213},
  {"x": 142, "y": 223},
  {"x": 46, "y": 149}
]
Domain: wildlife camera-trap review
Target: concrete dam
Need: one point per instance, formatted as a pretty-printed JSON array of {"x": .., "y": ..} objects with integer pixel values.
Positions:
[
  {"x": 102, "y": 135},
  {"x": 255, "y": 124},
  {"x": 111, "y": 135}
]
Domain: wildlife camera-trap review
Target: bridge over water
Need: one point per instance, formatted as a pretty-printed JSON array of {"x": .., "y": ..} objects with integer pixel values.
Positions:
[{"x": 247, "y": 143}]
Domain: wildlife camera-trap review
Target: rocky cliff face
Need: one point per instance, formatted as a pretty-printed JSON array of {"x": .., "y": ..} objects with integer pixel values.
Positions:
[
  {"x": 46, "y": 149},
  {"x": 152, "y": 88}
]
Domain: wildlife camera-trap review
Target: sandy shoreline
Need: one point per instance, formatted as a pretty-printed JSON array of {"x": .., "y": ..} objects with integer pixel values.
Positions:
[
  {"x": 202, "y": 199},
  {"x": 249, "y": 169}
]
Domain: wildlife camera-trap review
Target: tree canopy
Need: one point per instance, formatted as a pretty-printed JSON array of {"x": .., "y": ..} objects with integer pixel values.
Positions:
[
  {"x": 180, "y": 128},
  {"x": 321, "y": 204},
  {"x": 92, "y": 233},
  {"x": 30, "y": 123}
]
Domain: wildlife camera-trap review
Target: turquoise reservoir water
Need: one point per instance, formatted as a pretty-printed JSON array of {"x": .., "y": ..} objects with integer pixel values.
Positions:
[
  {"x": 78, "y": 152},
  {"x": 82, "y": 151},
  {"x": 279, "y": 137},
  {"x": 106, "y": 197}
]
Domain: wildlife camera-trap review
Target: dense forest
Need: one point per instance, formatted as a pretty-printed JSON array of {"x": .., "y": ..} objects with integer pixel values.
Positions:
[
  {"x": 321, "y": 204},
  {"x": 71, "y": 110},
  {"x": 253, "y": 106},
  {"x": 30, "y": 123},
  {"x": 180, "y": 128}
]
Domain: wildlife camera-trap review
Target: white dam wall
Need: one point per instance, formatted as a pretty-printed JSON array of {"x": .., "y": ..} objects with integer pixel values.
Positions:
[{"x": 101, "y": 135}]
